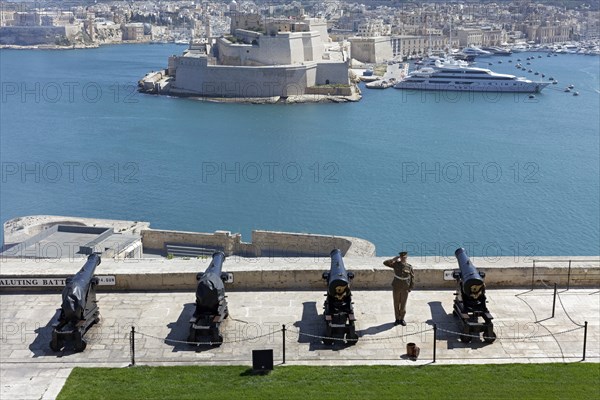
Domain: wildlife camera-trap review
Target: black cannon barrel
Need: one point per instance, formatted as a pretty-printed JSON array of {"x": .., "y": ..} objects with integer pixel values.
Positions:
[
  {"x": 338, "y": 278},
  {"x": 472, "y": 281},
  {"x": 216, "y": 265},
  {"x": 211, "y": 289},
  {"x": 74, "y": 295}
]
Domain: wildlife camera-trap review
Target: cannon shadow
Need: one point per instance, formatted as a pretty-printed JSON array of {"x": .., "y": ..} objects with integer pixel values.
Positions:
[
  {"x": 449, "y": 322},
  {"x": 374, "y": 330},
  {"x": 40, "y": 347},
  {"x": 179, "y": 330}
]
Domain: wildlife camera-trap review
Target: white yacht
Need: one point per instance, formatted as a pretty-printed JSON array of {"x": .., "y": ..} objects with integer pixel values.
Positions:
[
  {"x": 520, "y": 47},
  {"x": 476, "y": 51},
  {"x": 463, "y": 78}
]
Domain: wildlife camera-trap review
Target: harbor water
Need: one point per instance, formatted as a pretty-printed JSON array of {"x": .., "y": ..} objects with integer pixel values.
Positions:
[{"x": 427, "y": 172}]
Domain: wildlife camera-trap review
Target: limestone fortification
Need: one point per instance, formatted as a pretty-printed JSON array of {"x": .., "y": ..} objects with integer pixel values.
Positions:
[
  {"x": 141, "y": 258},
  {"x": 260, "y": 62}
]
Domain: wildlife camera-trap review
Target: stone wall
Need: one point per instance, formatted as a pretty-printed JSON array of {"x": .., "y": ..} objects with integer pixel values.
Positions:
[
  {"x": 295, "y": 273},
  {"x": 333, "y": 73},
  {"x": 154, "y": 240},
  {"x": 329, "y": 91},
  {"x": 264, "y": 243},
  {"x": 32, "y": 35},
  {"x": 371, "y": 50},
  {"x": 281, "y": 244},
  {"x": 195, "y": 77}
]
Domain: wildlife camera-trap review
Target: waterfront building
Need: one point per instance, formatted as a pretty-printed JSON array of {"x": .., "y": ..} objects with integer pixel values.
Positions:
[
  {"x": 371, "y": 49},
  {"x": 470, "y": 37},
  {"x": 135, "y": 32},
  {"x": 406, "y": 46}
]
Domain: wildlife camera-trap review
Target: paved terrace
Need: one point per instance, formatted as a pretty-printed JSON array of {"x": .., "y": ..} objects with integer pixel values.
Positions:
[{"x": 523, "y": 318}]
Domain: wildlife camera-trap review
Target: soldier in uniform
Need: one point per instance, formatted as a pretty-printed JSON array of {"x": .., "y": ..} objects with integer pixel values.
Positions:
[{"x": 404, "y": 281}]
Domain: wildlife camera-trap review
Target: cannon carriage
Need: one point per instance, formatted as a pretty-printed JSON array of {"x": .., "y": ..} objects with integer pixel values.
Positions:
[
  {"x": 79, "y": 309},
  {"x": 470, "y": 301},
  {"x": 211, "y": 303},
  {"x": 338, "y": 308}
]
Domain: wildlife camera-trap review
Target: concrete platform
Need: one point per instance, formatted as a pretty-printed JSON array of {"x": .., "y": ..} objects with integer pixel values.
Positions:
[{"x": 526, "y": 332}]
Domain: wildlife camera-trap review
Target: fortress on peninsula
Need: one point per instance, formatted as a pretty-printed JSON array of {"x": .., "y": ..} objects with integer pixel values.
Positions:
[{"x": 262, "y": 58}]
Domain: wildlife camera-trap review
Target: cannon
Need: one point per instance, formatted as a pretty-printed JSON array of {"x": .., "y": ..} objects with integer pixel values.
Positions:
[
  {"x": 338, "y": 310},
  {"x": 211, "y": 304},
  {"x": 470, "y": 302},
  {"x": 79, "y": 309}
]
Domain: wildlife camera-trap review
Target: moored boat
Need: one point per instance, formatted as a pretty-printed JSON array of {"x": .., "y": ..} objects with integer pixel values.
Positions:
[{"x": 464, "y": 78}]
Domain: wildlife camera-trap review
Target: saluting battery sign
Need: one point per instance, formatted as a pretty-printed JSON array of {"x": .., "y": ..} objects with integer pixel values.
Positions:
[{"x": 49, "y": 281}]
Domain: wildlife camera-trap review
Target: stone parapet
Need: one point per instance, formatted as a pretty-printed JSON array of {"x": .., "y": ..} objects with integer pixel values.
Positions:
[{"x": 305, "y": 273}]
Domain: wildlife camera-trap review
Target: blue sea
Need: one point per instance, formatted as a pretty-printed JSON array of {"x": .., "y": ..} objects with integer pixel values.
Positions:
[{"x": 425, "y": 172}]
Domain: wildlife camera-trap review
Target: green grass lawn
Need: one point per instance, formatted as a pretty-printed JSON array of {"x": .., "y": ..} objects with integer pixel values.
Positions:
[{"x": 506, "y": 381}]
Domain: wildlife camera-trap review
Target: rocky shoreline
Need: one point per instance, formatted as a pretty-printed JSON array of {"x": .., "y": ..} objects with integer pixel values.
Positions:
[{"x": 301, "y": 99}]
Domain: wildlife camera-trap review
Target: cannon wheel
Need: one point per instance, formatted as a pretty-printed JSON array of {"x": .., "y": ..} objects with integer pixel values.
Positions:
[
  {"x": 351, "y": 336},
  {"x": 465, "y": 338},
  {"x": 56, "y": 344},
  {"x": 351, "y": 339},
  {"x": 490, "y": 337},
  {"x": 216, "y": 339},
  {"x": 328, "y": 334},
  {"x": 80, "y": 345},
  {"x": 192, "y": 336}
]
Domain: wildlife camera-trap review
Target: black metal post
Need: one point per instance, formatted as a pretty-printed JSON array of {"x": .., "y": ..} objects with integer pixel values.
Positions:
[
  {"x": 554, "y": 300},
  {"x": 584, "y": 339},
  {"x": 132, "y": 338},
  {"x": 434, "y": 340},
  {"x": 533, "y": 275},
  {"x": 283, "y": 334},
  {"x": 569, "y": 276}
]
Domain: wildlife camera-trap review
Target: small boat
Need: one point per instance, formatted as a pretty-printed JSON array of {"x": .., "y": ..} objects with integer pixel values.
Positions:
[
  {"x": 498, "y": 51},
  {"x": 381, "y": 83}
]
